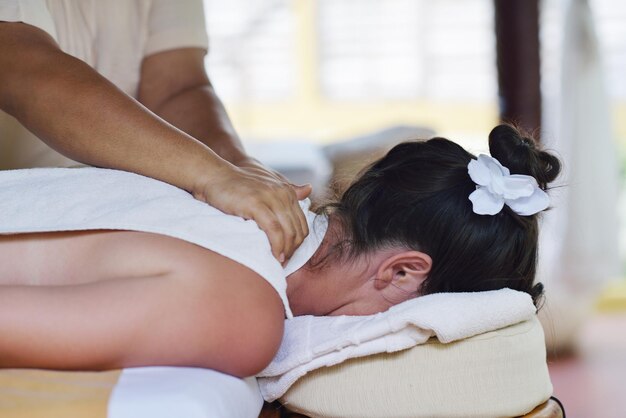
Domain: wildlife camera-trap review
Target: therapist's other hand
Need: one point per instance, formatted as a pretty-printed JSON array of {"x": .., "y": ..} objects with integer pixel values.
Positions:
[{"x": 251, "y": 191}]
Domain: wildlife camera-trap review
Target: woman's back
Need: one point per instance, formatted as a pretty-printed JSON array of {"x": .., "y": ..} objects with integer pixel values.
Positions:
[
  {"x": 53, "y": 200},
  {"x": 76, "y": 257},
  {"x": 109, "y": 299}
]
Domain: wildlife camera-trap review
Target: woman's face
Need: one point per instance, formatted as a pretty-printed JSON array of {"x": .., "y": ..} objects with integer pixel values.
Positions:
[
  {"x": 366, "y": 285},
  {"x": 339, "y": 289},
  {"x": 335, "y": 287}
]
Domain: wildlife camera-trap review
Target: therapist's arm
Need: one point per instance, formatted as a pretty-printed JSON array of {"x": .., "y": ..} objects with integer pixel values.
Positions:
[
  {"x": 175, "y": 86},
  {"x": 85, "y": 117}
]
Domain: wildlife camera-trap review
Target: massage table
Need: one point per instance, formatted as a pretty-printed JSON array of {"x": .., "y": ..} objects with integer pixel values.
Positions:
[
  {"x": 502, "y": 373},
  {"x": 155, "y": 392},
  {"x": 552, "y": 408}
]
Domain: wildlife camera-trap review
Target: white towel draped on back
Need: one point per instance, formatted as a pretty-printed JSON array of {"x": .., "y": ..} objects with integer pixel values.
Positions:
[{"x": 72, "y": 199}]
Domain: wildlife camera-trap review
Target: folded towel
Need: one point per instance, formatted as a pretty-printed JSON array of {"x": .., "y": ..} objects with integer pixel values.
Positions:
[{"x": 312, "y": 342}]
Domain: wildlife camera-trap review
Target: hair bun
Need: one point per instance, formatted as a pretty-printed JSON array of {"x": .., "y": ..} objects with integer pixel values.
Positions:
[{"x": 520, "y": 153}]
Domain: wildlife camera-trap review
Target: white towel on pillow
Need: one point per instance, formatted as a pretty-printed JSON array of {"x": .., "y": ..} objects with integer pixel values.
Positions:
[{"x": 312, "y": 342}]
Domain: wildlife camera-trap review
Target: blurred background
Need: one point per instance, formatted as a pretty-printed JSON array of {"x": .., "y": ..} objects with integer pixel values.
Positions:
[{"x": 318, "y": 88}]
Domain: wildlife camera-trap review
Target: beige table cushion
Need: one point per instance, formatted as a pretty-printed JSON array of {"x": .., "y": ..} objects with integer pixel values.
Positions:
[{"x": 497, "y": 374}]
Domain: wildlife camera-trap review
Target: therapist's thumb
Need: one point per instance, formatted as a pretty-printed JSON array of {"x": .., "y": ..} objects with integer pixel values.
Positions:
[{"x": 302, "y": 192}]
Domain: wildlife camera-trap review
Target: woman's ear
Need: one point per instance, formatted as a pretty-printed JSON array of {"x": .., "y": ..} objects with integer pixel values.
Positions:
[{"x": 405, "y": 272}]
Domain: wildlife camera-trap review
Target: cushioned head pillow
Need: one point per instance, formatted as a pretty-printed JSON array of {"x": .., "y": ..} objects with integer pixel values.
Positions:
[{"x": 501, "y": 373}]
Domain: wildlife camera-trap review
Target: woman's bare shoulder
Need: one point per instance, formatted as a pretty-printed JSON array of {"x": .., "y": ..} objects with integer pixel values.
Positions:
[
  {"x": 188, "y": 306},
  {"x": 237, "y": 307}
]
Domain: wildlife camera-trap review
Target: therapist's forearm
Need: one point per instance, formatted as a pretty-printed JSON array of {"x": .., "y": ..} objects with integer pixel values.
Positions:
[
  {"x": 85, "y": 117},
  {"x": 200, "y": 113}
]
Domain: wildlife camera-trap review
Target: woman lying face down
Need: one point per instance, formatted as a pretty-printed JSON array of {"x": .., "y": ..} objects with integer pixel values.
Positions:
[
  {"x": 414, "y": 223},
  {"x": 428, "y": 217}
]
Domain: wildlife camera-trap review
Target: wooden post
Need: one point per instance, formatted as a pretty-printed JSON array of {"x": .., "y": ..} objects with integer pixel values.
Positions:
[{"x": 517, "y": 47}]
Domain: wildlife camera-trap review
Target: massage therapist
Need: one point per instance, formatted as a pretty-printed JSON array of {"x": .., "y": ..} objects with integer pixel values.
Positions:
[{"x": 122, "y": 84}]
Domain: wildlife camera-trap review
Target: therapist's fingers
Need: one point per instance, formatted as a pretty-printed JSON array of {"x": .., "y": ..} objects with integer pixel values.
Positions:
[
  {"x": 299, "y": 214},
  {"x": 290, "y": 216},
  {"x": 269, "y": 223},
  {"x": 291, "y": 219},
  {"x": 302, "y": 192},
  {"x": 299, "y": 222},
  {"x": 259, "y": 195}
]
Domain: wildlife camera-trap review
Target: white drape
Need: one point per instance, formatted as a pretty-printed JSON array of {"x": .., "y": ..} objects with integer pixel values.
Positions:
[{"x": 580, "y": 236}]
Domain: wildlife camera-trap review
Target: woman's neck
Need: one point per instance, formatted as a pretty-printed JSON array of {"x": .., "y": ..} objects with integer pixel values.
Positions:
[
  {"x": 326, "y": 284},
  {"x": 308, "y": 286}
]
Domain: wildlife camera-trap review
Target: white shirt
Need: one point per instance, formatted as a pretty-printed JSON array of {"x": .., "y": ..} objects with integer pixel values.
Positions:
[{"x": 112, "y": 36}]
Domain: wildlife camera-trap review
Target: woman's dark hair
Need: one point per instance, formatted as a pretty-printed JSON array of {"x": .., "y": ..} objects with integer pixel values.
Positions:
[{"x": 417, "y": 196}]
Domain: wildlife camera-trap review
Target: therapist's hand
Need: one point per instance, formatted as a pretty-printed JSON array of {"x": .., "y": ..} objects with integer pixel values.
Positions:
[{"x": 251, "y": 191}]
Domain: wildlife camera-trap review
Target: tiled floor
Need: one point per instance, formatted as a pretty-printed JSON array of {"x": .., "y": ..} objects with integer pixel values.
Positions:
[{"x": 592, "y": 383}]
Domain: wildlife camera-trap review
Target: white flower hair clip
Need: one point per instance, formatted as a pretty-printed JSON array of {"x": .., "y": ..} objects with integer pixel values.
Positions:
[{"x": 496, "y": 187}]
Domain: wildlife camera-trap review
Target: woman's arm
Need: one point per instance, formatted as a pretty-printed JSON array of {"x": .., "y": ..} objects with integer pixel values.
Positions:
[
  {"x": 85, "y": 117},
  {"x": 177, "y": 319}
]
